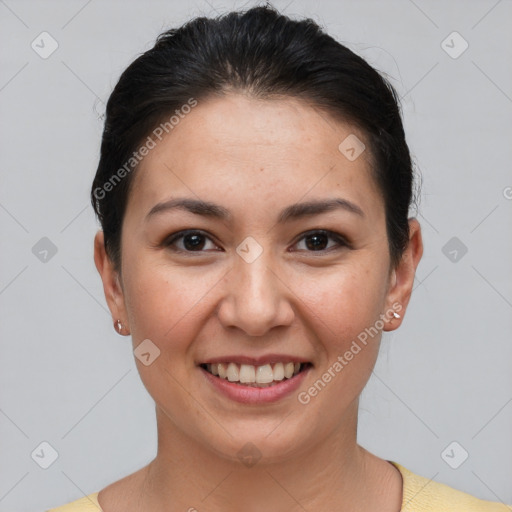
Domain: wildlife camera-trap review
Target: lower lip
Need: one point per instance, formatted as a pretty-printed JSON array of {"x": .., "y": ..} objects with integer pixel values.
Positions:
[{"x": 253, "y": 395}]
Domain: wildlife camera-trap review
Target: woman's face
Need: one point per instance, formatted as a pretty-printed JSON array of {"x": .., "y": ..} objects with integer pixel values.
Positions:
[{"x": 255, "y": 282}]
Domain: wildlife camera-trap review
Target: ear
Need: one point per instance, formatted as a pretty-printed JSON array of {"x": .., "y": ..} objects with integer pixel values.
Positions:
[
  {"x": 402, "y": 278},
  {"x": 111, "y": 283}
]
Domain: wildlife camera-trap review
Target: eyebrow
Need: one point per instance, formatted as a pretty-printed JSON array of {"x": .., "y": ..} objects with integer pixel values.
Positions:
[{"x": 292, "y": 212}]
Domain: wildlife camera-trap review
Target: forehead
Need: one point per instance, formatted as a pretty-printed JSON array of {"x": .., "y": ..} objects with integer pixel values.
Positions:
[{"x": 278, "y": 149}]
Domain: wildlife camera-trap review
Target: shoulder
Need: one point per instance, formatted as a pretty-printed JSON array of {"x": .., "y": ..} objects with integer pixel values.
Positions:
[
  {"x": 421, "y": 494},
  {"x": 115, "y": 496},
  {"x": 85, "y": 504}
]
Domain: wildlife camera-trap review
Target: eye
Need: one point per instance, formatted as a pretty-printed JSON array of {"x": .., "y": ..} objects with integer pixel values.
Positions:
[
  {"x": 197, "y": 241},
  {"x": 192, "y": 241},
  {"x": 316, "y": 241}
]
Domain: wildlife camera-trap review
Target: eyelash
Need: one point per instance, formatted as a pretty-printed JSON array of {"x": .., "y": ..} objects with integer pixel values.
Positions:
[{"x": 330, "y": 234}]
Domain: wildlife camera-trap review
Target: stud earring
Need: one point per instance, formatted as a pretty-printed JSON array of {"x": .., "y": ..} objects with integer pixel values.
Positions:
[
  {"x": 395, "y": 314},
  {"x": 118, "y": 326}
]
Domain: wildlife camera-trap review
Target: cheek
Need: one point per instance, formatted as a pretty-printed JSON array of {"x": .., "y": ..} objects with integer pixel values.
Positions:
[
  {"x": 343, "y": 312},
  {"x": 344, "y": 300},
  {"x": 343, "y": 308},
  {"x": 165, "y": 305}
]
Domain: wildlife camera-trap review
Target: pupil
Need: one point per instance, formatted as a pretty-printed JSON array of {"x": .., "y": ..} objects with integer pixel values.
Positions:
[
  {"x": 316, "y": 245},
  {"x": 196, "y": 243}
]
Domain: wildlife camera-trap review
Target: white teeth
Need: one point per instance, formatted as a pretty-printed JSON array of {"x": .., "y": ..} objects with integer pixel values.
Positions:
[
  {"x": 232, "y": 372},
  {"x": 288, "y": 370},
  {"x": 264, "y": 374},
  {"x": 247, "y": 373},
  {"x": 254, "y": 375},
  {"x": 278, "y": 371}
]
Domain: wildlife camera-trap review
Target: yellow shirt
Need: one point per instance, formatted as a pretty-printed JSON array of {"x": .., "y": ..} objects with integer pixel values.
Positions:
[{"x": 419, "y": 495}]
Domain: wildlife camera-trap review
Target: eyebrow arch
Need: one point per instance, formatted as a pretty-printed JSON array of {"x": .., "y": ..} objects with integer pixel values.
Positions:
[{"x": 292, "y": 212}]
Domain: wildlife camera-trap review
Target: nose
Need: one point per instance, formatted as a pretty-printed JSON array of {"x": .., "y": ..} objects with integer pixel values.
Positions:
[{"x": 257, "y": 298}]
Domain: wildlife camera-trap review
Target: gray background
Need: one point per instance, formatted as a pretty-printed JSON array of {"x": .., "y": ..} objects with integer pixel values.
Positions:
[{"x": 68, "y": 379}]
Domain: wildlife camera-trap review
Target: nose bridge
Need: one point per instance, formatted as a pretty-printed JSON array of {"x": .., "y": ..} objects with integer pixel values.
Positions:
[
  {"x": 255, "y": 301},
  {"x": 254, "y": 280}
]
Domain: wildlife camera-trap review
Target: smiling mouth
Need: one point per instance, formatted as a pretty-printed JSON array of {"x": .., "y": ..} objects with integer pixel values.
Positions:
[{"x": 262, "y": 376}]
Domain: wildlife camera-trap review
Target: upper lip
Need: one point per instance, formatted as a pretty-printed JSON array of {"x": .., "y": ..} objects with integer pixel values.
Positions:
[{"x": 255, "y": 361}]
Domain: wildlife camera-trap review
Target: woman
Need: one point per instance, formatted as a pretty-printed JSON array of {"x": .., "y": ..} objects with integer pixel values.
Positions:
[{"x": 253, "y": 190}]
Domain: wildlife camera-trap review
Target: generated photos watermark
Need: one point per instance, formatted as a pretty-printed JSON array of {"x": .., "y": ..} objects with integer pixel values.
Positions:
[
  {"x": 304, "y": 397},
  {"x": 151, "y": 141}
]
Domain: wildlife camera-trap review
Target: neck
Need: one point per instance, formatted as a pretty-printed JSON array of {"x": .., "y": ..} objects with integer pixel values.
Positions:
[{"x": 334, "y": 473}]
